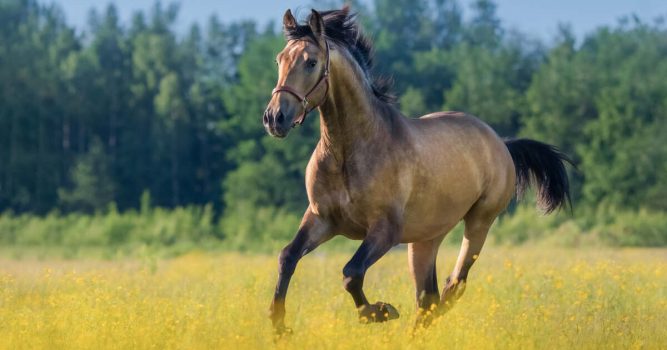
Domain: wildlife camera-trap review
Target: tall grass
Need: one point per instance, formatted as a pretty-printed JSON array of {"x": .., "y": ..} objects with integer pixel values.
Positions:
[{"x": 516, "y": 298}]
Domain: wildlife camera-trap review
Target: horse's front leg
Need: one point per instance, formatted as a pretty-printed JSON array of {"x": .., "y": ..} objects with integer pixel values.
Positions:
[
  {"x": 381, "y": 237},
  {"x": 312, "y": 232}
]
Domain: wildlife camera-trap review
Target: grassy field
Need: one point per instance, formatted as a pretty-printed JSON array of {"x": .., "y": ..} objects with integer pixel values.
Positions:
[{"x": 516, "y": 298}]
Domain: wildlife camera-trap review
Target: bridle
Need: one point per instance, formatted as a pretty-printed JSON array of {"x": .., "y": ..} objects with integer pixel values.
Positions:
[{"x": 324, "y": 78}]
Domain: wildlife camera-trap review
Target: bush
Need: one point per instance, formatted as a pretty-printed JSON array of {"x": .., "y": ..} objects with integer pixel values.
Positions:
[
  {"x": 267, "y": 229},
  {"x": 112, "y": 231},
  {"x": 263, "y": 229},
  {"x": 640, "y": 228},
  {"x": 525, "y": 224}
]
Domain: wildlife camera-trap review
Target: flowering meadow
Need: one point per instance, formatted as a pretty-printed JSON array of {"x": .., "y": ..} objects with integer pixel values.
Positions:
[{"x": 528, "y": 297}]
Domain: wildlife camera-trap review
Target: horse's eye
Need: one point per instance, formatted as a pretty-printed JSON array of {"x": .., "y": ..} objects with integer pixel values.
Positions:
[{"x": 311, "y": 63}]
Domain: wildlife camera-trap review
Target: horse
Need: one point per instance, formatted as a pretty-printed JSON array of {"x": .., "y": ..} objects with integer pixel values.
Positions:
[{"x": 385, "y": 179}]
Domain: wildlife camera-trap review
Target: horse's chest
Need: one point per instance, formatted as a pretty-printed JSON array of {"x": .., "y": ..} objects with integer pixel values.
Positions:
[
  {"x": 329, "y": 197},
  {"x": 349, "y": 201}
]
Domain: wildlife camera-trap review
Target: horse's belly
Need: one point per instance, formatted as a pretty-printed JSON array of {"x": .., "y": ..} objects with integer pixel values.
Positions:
[
  {"x": 426, "y": 232},
  {"x": 433, "y": 212},
  {"x": 419, "y": 229}
]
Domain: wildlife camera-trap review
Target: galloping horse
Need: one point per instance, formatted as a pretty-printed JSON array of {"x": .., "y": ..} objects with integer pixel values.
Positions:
[{"x": 386, "y": 179}]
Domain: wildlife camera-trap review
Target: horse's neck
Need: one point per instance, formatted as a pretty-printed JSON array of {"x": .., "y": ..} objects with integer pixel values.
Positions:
[{"x": 350, "y": 116}]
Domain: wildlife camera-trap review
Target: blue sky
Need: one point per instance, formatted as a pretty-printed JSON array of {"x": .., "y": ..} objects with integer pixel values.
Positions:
[{"x": 537, "y": 17}]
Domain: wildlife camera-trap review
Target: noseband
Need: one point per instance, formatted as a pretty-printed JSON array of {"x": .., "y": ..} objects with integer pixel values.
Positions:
[{"x": 304, "y": 99}]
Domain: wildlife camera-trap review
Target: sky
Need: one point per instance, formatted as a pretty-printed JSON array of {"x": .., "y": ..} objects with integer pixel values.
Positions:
[{"x": 539, "y": 18}]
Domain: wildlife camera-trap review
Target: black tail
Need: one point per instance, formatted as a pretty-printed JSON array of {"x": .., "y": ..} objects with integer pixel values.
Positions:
[{"x": 544, "y": 164}]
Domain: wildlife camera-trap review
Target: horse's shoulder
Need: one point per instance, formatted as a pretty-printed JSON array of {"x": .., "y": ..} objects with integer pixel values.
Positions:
[{"x": 323, "y": 160}]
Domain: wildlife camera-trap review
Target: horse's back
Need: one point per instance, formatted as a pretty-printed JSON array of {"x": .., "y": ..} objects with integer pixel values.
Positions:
[
  {"x": 472, "y": 138},
  {"x": 458, "y": 133},
  {"x": 445, "y": 114},
  {"x": 459, "y": 122},
  {"x": 462, "y": 132}
]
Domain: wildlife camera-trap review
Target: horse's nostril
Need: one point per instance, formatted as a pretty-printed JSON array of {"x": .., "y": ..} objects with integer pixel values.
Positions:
[
  {"x": 265, "y": 118},
  {"x": 281, "y": 118}
]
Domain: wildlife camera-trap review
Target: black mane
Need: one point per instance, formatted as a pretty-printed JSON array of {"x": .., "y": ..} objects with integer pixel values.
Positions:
[{"x": 341, "y": 27}]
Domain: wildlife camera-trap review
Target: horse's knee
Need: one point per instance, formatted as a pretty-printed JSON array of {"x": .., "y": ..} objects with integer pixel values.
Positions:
[{"x": 353, "y": 278}]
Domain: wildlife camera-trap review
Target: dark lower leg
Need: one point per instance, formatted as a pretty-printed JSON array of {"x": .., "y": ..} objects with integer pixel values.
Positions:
[
  {"x": 289, "y": 257},
  {"x": 422, "y": 262},
  {"x": 355, "y": 270},
  {"x": 311, "y": 234},
  {"x": 378, "y": 241},
  {"x": 286, "y": 266},
  {"x": 430, "y": 296},
  {"x": 428, "y": 300}
]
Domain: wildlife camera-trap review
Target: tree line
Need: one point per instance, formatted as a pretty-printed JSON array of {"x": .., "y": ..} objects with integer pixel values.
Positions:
[{"x": 120, "y": 110}]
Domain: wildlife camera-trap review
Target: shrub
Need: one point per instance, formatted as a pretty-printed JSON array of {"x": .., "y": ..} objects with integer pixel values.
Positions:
[{"x": 267, "y": 229}]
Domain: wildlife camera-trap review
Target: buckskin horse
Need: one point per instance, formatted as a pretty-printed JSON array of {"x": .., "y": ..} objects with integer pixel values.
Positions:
[{"x": 382, "y": 178}]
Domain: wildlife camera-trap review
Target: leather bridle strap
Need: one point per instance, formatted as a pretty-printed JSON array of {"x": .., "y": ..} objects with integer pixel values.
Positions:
[{"x": 304, "y": 99}]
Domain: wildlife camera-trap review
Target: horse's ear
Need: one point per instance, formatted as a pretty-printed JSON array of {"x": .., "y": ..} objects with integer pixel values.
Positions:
[
  {"x": 289, "y": 22},
  {"x": 316, "y": 24}
]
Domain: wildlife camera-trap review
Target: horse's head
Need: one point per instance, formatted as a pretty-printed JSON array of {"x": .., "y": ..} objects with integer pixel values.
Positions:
[{"x": 303, "y": 69}]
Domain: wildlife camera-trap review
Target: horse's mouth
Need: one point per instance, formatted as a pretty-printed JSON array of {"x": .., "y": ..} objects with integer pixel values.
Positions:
[{"x": 277, "y": 134}]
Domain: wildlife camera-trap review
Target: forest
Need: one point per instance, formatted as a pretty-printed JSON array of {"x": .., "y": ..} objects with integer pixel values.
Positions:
[{"x": 149, "y": 134}]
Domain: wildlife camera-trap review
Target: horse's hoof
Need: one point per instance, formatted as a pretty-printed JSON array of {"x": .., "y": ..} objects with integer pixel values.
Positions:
[
  {"x": 424, "y": 321},
  {"x": 378, "y": 312},
  {"x": 426, "y": 316},
  {"x": 281, "y": 332}
]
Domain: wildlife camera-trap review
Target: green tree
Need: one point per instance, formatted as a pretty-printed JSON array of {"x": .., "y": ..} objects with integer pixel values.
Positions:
[
  {"x": 267, "y": 172},
  {"x": 491, "y": 84},
  {"x": 92, "y": 184},
  {"x": 178, "y": 114}
]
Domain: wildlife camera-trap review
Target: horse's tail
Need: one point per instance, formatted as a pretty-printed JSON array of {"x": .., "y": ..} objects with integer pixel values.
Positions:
[{"x": 544, "y": 165}]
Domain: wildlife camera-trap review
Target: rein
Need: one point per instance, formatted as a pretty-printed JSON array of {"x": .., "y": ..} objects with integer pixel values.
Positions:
[{"x": 304, "y": 99}]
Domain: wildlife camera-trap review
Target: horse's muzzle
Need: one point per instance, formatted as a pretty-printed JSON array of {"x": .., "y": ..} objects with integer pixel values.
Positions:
[{"x": 276, "y": 124}]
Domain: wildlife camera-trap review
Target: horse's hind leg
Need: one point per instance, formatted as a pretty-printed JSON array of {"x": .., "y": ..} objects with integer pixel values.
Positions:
[
  {"x": 476, "y": 229},
  {"x": 421, "y": 258}
]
